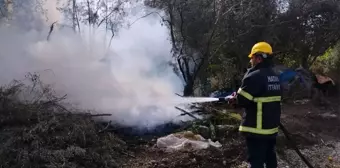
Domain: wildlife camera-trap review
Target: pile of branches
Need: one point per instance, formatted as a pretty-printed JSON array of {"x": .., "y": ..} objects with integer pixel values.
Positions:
[
  {"x": 213, "y": 120},
  {"x": 36, "y": 130}
]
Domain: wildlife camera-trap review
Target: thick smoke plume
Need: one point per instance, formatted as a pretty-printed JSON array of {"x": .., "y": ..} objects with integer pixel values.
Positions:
[{"x": 132, "y": 80}]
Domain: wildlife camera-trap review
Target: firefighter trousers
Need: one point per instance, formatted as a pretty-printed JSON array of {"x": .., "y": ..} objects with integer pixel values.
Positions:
[{"x": 261, "y": 151}]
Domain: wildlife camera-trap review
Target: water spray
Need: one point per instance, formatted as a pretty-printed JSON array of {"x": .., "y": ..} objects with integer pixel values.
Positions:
[{"x": 188, "y": 100}]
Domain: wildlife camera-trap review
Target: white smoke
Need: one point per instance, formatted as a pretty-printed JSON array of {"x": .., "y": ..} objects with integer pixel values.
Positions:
[
  {"x": 132, "y": 81},
  {"x": 52, "y": 13}
]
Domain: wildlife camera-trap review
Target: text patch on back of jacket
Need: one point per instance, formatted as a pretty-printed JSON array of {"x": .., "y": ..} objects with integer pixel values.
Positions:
[{"x": 273, "y": 83}]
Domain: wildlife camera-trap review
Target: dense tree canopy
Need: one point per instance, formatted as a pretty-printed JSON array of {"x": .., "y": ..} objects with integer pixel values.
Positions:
[{"x": 212, "y": 38}]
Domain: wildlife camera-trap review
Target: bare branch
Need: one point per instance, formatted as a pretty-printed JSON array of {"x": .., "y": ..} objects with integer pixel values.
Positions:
[
  {"x": 187, "y": 113},
  {"x": 89, "y": 11},
  {"x": 144, "y": 16},
  {"x": 115, "y": 9},
  {"x": 106, "y": 127},
  {"x": 100, "y": 115},
  {"x": 51, "y": 30}
]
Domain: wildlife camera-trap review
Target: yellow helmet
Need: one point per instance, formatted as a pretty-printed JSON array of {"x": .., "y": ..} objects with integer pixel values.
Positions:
[{"x": 261, "y": 47}]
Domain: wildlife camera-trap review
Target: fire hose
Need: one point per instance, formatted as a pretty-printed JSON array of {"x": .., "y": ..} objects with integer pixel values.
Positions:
[{"x": 293, "y": 144}]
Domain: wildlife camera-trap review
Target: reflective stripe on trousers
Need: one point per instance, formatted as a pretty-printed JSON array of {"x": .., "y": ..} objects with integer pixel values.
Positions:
[{"x": 259, "y": 101}]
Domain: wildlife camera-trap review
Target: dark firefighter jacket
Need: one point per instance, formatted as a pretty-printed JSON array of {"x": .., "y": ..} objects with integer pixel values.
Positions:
[{"x": 260, "y": 96}]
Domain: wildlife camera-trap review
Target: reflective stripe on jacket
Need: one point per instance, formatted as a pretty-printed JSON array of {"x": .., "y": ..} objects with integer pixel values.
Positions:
[{"x": 260, "y": 95}]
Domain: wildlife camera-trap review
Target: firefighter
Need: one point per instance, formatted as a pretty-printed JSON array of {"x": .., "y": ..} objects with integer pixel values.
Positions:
[{"x": 260, "y": 96}]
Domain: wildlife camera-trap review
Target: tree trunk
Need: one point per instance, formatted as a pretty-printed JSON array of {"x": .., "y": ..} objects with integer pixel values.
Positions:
[
  {"x": 304, "y": 63},
  {"x": 74, "y": 21},
  {"x": 304, "y": 59},
  {"x": 188, "y": 89}
]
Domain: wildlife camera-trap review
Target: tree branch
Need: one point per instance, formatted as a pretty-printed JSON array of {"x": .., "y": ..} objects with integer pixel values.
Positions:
[
  {"x": 115, "y": 9},
  {"x": 51, "y": 30},
  {"x": 89, "y": 11},
  {"x": 172, "y": 28},
  {"x": 182, "y": 70},
  {"x": 144, "y": 16}
]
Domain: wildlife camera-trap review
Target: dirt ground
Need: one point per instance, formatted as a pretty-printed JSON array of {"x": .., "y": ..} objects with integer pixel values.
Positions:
[
  {"x": 315, "y": 129},
  {"x": 45, "y": 134}
]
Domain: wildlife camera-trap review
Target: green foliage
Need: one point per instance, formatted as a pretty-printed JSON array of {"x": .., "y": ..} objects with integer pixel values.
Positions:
[
  {"x": 289, "y": 61},
  {"x": 329, "y": 62}
]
